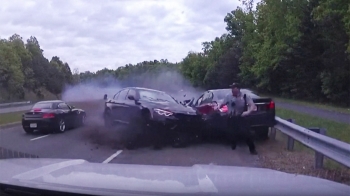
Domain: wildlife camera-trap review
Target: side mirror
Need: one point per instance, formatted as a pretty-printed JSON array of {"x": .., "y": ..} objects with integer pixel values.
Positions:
[
  {"x": 72, "y": 107},
  {"x": 105, "y": 97},
  {"x": 131, "y": 97}
]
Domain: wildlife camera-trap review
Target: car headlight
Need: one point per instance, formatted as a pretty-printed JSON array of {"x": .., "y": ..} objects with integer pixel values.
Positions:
[{"x": 163, "y": 112}]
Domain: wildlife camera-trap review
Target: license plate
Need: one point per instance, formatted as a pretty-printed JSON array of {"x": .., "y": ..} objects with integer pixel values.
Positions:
[{"x": 33, "y": 125}]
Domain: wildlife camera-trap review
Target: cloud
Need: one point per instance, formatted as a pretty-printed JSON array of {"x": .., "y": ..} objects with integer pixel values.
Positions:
[{"x": 93, "y": 34}]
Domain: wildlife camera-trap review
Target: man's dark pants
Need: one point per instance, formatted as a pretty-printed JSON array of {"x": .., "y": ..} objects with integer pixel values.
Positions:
[{"x": 238, "y": 128}]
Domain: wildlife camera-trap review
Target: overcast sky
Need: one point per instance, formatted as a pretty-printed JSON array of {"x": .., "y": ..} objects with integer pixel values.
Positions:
[{"x": 93, "y": 34}]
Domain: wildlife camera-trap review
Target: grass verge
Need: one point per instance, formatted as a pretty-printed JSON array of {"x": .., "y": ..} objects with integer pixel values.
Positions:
[
  {"x": 339, "y": 131},
  {"x": 328, "y": 107},
  {"x": 10, "y": 117}
]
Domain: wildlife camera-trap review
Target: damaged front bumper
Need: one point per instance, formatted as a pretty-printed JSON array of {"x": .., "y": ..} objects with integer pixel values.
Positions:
[{"x": 178, "y": 122}]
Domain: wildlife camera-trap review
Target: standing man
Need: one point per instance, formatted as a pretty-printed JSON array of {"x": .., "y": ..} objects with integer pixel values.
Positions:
[{"x": 237, "y": 124}]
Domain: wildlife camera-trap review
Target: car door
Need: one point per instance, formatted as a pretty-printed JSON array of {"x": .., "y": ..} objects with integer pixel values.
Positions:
[
  {"x": 111, "y": 103},
  {"x": 118, "y": 106},
  {"x": 67, "y": 114},
  {"x": 132, "y": 111}
]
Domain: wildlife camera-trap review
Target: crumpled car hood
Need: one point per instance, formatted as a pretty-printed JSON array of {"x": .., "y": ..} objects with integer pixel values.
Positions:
[{"x": 80, "y": 176}]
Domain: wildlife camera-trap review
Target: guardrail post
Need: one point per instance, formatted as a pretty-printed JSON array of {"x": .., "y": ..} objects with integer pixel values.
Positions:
[
  {"x": 318, "y": 156},
  {"x": 290, "y": 143},
  {"x": 273, "y": 133}
]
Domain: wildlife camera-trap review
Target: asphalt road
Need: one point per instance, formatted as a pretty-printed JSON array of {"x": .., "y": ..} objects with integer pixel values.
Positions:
[
  {"x": 322, "y": 113},
  {"x": 96, "y": 144}
]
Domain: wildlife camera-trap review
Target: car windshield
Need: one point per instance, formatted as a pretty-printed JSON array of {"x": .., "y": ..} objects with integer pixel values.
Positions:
[
  {"x": 156, "y": 96},
  {"x": 42, "y": 106}
]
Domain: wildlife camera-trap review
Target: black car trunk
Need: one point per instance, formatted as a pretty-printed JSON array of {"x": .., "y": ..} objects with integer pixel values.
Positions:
[{"x": 36, "y": 113}]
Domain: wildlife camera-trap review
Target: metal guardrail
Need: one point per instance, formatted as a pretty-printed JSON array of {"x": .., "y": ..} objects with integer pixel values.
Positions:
[
  {"x": 5, "y": 105},
  {"x": 8, "y": 154},
  {"x": 334, "y": 149}
]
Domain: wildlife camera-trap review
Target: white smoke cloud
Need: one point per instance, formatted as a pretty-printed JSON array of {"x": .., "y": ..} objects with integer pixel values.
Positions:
[{"x": 169, "y": 81}]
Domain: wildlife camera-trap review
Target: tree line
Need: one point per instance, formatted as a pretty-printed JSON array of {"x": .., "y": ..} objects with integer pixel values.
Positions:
[
  {"x": 290, "y": 48},
  {"x": 23, "y": 69}
]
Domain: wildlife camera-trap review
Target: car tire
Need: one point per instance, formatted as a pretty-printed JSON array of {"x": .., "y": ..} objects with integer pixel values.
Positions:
[
  {"x": 135, "y": 130},
  {"x": 61, "y": 126},
  {"x": 107, "y": 120},
  {"x": 28, "y": 130}
]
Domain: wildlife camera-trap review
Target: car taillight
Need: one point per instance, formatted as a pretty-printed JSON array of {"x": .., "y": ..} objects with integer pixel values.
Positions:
[
  {"x": 271, "y": 105},
  {"x": 49, "y": 115},
  {"x": 37, "y": 109},
  {"x": 224, "y": 109},
  {"x": 205, "y": 109}
]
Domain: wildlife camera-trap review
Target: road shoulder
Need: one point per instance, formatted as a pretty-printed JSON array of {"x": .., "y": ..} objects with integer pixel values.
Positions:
[{"x": 10, "y": 125}]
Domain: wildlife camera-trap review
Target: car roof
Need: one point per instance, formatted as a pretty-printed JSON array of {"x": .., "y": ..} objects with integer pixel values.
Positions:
[
  {"x": 146, "y": 89},
  {"x": 228, "y": 90}
]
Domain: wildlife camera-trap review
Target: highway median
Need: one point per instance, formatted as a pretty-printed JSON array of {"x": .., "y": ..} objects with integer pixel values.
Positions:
[{"x": 10, "y": 119}]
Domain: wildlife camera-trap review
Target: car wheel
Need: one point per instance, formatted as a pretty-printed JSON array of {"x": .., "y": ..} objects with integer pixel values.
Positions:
[
  {"x": 107, "y": 120},
  {"x": 61, "y": 127},
  {"x": 28, "y": 130}
]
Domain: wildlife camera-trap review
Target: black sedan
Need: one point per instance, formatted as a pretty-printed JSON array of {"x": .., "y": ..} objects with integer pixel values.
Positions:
[
  {"x": 151, "y": 110},
  {"x": 260, "y": 120},
  {"x": 54, "y": 115}
]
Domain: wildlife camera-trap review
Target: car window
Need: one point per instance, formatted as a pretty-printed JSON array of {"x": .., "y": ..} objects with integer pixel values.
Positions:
[
  {"x": 221, "y": 94},
  {"x": 43, "y": 106},
  {"x": 207, "y": 98},
  {"x": 131, "y": 92},
  {"x": 116, "y": 95},
  {"x": 250, "y": 93},
  {"x": 151, "y": 95},
  {"x": 122, "y": 94},
  {"x": 63, "y": 106},
  {"x": 199, "y": 100}
]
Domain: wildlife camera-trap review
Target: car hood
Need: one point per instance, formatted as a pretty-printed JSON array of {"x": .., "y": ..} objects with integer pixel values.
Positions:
[
  {"x": 173, "y": 107},
  {"x": 80, "y": 176}
]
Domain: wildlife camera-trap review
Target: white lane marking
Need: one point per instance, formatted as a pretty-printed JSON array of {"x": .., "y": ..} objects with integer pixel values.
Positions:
[
  {"x": 39, "y": 137},
  {"x": 112, "y": 156}
]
